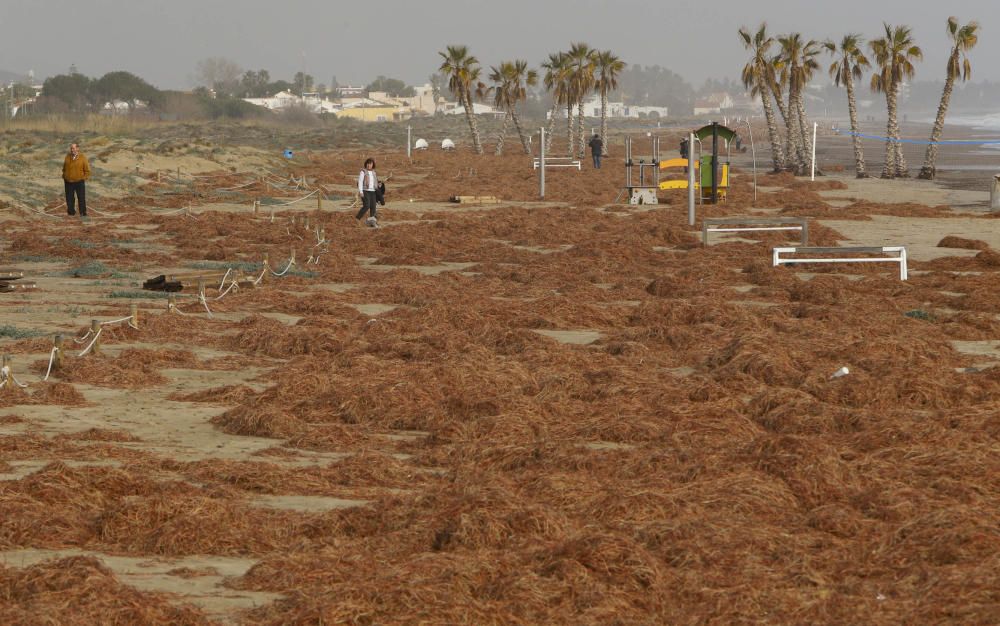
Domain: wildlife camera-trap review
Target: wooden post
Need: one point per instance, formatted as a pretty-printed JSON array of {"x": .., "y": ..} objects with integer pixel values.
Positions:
[
  {"x": 291, "y": 256},
  {"x": 253, "y": 207},
  {"x": 267, "y": 262},
  {"x": 135, "y": 315},
  {"x": 319, "y": 201},
  {"x": 57, "y": 343},
  {"x": 305, "y": 224},
  {"x": 95, "y": 327},
  {"x": 157, "y": 175},
  {"x": 178, "y": 173},
  {"x": 201, "y": 287},
  {"x": 5, "y": 364},
  {"x": 171, "y": 303}
]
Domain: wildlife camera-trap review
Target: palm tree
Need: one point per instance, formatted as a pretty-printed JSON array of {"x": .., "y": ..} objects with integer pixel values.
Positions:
[
  {"x": 849, "y": 65},
  {"x": 758, "y": 76},
  {"x": 609, "y": 67},
  {"x": 483, "y": 91},
  {"x": 583, "y": 79},
  {"x": 797, "y": 66},
  {"x": 511, "y": 80},
  {"x": 894, "y": 54},
  {"x": 557, "y": 81},
  {"x": 462, "y": 71},
  {"x": 963, "y": 38}
]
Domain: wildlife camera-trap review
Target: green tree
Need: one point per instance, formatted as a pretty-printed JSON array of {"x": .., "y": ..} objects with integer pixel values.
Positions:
[
  {"x": 126, "y": 87},
  {"x": 556, "y": 80},
  {"x": 462, "y": 70},
  {"x": 759, "y": 77},
  {"x": 510, "y": 82},
  {"x": 75, "y": 90},
  {"x": 302, "y": 82},
  {"x": 392, "y": 86},
  {"x": 894, "y": 55},
  {"x": 254, "y": 84},
  {"x": 849, "y": 65},
  {"x": 609, "y": 67},
  {"x": 798, "y": 63},
  {"x": 963, "y": 39}
]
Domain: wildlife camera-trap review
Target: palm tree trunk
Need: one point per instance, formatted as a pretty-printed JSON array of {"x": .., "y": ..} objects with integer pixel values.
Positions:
[
  {"x": 551, "y": 127},
  {"x": 604, "y": 122},
  {"x": 901, "y": 170},
  {"x": 502, "y": 135},
  {"x": 570, "y": 148},
  {"x": 777, "y": 157},
  {"x": 792, "y": 136},
  {"x": 473, "y": 127},
  {"x": 852, "y": 110},
  {"x": 517, "y": 125},
  {"x": 929, "y": 170},
  {"x": 805, "y": 140},
  {"x": 579, "y": 119},
  {"x": 889, "y": 170},
  {"x": 789, "y": 161}
]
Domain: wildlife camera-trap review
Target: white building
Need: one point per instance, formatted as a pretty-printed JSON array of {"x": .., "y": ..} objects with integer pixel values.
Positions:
[
  {"x": 286, "y": 99},
  {"x": 616, "y": 110},
  {"x": 478, "y": 108}
]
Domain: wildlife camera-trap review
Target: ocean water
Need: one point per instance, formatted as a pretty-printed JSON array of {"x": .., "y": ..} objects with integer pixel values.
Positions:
[{"x": 987, "y": 121}]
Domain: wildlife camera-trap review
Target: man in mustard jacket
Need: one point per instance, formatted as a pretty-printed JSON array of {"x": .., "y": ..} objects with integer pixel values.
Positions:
[{"x": 76, "y": 171}]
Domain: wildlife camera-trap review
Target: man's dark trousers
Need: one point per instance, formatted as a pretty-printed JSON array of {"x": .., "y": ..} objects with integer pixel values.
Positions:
[
  {"x": 77, "y": 191},
  {"x": 597, "y": 160}
]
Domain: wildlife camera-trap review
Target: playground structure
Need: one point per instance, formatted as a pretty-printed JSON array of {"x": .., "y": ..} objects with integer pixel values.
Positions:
[
  {"x": 711, "y": 170},
  {"x": 643, "y": 191}
]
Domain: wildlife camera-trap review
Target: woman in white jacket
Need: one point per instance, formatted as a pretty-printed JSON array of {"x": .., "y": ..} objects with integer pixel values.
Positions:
[{"x": 367, "y": 184}]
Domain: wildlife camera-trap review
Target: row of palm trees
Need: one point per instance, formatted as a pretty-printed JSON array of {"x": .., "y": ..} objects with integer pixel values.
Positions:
[
  {"x": 785, "y": 64},
  {"x": 572, "y": 76}
]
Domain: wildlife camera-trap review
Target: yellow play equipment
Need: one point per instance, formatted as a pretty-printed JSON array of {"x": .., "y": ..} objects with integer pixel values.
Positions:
[{"x": 705, "y": 167}]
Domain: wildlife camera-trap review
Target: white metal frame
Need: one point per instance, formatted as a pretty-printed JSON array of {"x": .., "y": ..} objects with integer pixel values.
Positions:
[
  {"x": 726, "y": 225},
  {"x": 899, "y": 251},
  {"x": 548, "y": 162}
]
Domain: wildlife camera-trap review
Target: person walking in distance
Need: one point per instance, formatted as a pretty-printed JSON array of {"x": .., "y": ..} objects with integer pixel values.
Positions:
[
  {"x": 76, "y": 171},
  {"x": 367, "y": 186},
  {"x": 596, "y": 146}
]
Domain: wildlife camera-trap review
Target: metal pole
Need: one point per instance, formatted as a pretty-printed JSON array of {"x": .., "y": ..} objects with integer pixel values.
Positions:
[
  {"x": 541, "y": 166},
  {"x": 408, "y": 142},
  {"x": 691, "y": 179},
  {"x": 813, "y": 175},
  {"x": 715, "y": 162},
  {"x": 754, "y": 153}
]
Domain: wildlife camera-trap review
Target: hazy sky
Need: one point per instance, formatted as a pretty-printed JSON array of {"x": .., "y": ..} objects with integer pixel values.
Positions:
[{"x": 162, "y": 41}]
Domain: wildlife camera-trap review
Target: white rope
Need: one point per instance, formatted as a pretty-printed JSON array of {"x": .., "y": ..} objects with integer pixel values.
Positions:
[
  {"x": 232, "y": 285},
  {"x": 223, "y": 281},
  {"x": 174, "y": 212},
  {"x": 84, "y": 338},
  {"x": 201, "y": 297},
  {"x": 52, "y": 359},
  {"x": 252, "y": 182},
  {"x": 92, "y": 341},
  {"x": 33, "y": 209},
  {"x": 261, "y": 277},
  {"x": 118, "y": 321},
  {"x": 110, "y": 216},
  {"x": 309, "y": 195},
  {"x": 7, "y": 375},
  {"x": 291, "y": 262}
]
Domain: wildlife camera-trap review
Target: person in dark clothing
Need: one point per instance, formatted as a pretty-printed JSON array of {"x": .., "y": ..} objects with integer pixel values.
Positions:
[
  {"x": 368, "y": 186},
  {"x": 596, "y": 146},
  {"x": 76, "y": 171}
]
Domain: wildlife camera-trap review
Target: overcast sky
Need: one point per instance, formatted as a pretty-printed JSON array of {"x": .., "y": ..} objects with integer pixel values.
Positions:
[{"x": 163, "y": 40}]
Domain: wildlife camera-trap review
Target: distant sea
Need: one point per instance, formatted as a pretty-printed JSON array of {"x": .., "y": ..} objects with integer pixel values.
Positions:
[{"x": 984, "y": 121}]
